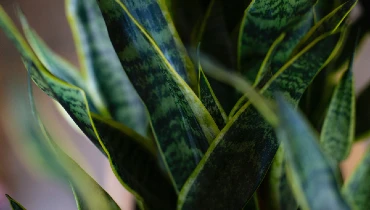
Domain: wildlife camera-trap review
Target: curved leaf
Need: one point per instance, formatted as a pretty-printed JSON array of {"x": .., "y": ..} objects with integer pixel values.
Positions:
[
  {"x": 14, "y": 204},
  {"x": 181, "y": 124},
  {"x": 234, "y": 165},
  {"x": 311, "y": 176},
  {"x": 100, "y": 62},
  {"x": 134, "y": 177},
  {"x": 339, "y": 126}
]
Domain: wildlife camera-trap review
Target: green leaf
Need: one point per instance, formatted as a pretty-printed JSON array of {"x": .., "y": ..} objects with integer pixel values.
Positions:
[
  {"x": 263, "y": 70},
  {"x": 275, "y": 187},
  {"x": 329, "y": 23},
  {"x": 263, "y": 22},
  {"x": 102, "y": 66},
  {"x": 339, "y": 126},
  {"x": 210, "y": 101},
  {"x": 182, "y": 126},
  {"x": 135, "y": 177},
  {"x": 14, "y": 204},
  {"x": 311, "y": 176},
  {"x": 356, "y": 189},
  {"x": 156, "y": 20},
  {"x": 234, "y": 165}
]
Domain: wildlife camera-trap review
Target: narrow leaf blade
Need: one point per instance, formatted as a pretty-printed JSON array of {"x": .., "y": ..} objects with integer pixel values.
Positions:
[{"x": 14, "y": 204}]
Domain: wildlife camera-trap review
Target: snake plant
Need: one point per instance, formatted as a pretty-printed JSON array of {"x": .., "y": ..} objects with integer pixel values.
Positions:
[{"x": 207, "y": 104}]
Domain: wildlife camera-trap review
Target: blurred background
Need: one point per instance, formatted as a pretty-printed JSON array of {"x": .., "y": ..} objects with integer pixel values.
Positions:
[{"x": 41, "y": 192}]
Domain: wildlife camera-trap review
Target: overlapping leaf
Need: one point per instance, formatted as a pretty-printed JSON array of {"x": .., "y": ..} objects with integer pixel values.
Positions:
[
  {"x": 182, "y": 126},
  {"x": 239, "y": 157},
  {"x": 310, "y": 173},
  {"x": 338, "y": 130},
  {"x": 134, "y": 177},
  {"x": 14, "y": 204},
  {"x": 102, "y": 67}
]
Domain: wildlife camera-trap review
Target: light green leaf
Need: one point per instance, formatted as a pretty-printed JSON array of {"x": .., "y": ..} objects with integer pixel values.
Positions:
[
  {"x": 124, "y": 163},
  {"x": 102, "y": 66},
  {"x": 356, "y": 189},
  {"x": 14, "y": 204},
  {"x": 182, "y": 126},
  {"x": 338, "y": 130},
  {"x": 234, "y": 165},
  {"x": 310, "y": 174},
  {"x": 210, "y": 101},
  {"x": 263, "y": 22}
]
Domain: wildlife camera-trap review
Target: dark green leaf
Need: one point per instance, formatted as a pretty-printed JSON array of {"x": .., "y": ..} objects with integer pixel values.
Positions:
[
  {"x": 234, "y": 165},
  {"x": 339, "y": 126},
  {"x": 102, "y": 67},
  {"x": 14, "y": 204},
  {"x": 156, "y": 20},
  {"x": 133, "y": 176},
  {"x": 182, "y": 126},
  {"x": 275, "y": 187},
  {"x": 210, "y": 101},
  {"x": 263, "y": 22},
  {"x": 356, "y": 189},
  {"x": 309, "y": 171}
]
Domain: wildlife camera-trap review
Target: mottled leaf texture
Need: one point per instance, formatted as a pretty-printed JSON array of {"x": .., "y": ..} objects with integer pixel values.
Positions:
[
  {"x": 156, "y": 20},
  {"x": 182, "y": 126},
  {"x": 263, "y": 22},
  {"x": 14, "y": 204},
  {"x": 309, "y": 171},
  {"x": 137, "y": 178},
  {"x": 210, "y": 101},
  {"x": 338, "y": 130},
  {"x": 241, "y": 154},
  {"x": 100, "y": 62},
  {"x": 356, "y": 189}
]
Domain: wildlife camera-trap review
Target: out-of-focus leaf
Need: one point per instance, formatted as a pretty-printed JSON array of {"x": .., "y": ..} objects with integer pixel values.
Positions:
[
  {"x": 156, "y": 20},
  {"x": 135, "y": 177},
  {"x": 275, "y": 187},
  {"x": 356, "y": 189},
  {"x": 324, "y": 7},
  {"x": 182, "y": 126},
  {"x": 234, "y": 165},
  {"x": 210, "y": 101},
  {"x": 14, "y": 204},
  {"x": 311, "y": 176},
  {"x": 263, "y": 22},
  {"x": 339, "y": 126},
  {"x": 363, "y": 114},
  {"x": 101, "y": 65}
]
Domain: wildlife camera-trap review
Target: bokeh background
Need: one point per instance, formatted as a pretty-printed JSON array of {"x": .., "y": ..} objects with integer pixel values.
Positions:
[{"x": 37, "y": 192}]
